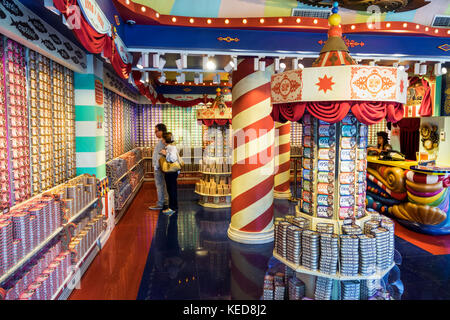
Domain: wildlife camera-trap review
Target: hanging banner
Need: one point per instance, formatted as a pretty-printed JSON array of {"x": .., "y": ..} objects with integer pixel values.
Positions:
[
  {"x": 123, "y": 52},
  {"x": 340, "y": 83},
  {"x": 95, "y": 16}
]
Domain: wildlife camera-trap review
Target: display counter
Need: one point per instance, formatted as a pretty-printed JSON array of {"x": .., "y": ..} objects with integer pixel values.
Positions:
[{"x": 416, "y": 196}]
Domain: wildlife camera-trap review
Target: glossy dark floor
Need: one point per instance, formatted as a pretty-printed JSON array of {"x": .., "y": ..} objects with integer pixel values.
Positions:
[{"x": 191, "y": 257}]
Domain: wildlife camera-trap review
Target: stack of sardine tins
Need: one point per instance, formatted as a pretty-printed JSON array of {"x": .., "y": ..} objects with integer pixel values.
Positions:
[
  {"x": 350, "y": 290},
  {"x": 324, "y": 287},
  {"x": 329, "y": 253},
  {"x": 293, "y": 244},
  {"x": 325, "y": 227},
  {"x": 296, "y": 288},
  {"x": 310, "y": 249},
  {"x": 351, "y": 229},
  {"x": 349, "y": 255},
  {"x": 369, "y": 288},
  {"x": 115, "y": 169},
  {"x": 279, "y": 286}
]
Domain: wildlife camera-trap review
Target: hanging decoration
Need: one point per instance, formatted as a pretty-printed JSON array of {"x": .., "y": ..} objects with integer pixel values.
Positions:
[
  {"x": 418, "y": 98},
  {"x": 218, "y": 113},
  {"x": 429, "y": 136},
  {"x": 95, "y": 33}
]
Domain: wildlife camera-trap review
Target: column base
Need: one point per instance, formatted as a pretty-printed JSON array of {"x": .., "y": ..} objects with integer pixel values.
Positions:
[
  {"x": 282, "y": 194},
  {"x": 250, "y": 237}
]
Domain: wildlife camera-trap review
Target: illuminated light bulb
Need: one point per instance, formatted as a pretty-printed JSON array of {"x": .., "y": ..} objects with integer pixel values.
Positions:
[
  {"x": 208, "y": 21},
  {"x": 191, "y": 20},
  {"x": 261, "y": 20},
  {"x": 417, "y": 26},
  {"x": 448, "y": 31},
  {"x": 280, "y": 20},
  {"x": 227, "y": 21},
  {"x": 174, "y": 19},
  {"x": 405, "y": 25},
  {"x": 298, "y": 20},
  {"x": 444, "y": 70},
  {"x": 426, "y": 29},
  {"x": 315, "y": 21},
  {"x": 211, "y": 65},
  {"x": 436, "y": 31},
  {"x": 244, "y": 21},
  {"x": 143, "y": 9},
  {"x": 352, "y": 27},
  {"x": 157, "y": 15},
  {"x": 127, "y": 2},
  {"x": 388, "y": 25}
]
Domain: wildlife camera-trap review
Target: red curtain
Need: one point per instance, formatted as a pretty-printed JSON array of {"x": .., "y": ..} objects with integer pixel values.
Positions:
[
  {"x": 332, "y": 112},
  {"x": 426, "y": 105},
  {"x": 144, "y": 90},
  {"x": 409, "y": 137},
  {"x": 220, "y": 122},
  {"x": 93, "y": 41}
]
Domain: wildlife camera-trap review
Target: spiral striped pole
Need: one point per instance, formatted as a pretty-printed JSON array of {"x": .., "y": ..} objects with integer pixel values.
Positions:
[
  {"x": 253, "y": 155},
  {"x": 282, "y": 188}
]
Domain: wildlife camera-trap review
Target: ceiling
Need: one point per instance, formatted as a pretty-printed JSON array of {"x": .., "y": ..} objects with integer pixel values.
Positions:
[{"x": 416, "y": 11}]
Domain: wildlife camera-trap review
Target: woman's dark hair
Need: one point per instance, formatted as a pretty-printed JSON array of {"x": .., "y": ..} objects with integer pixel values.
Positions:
[
  {"x": 161, "y": 127},
  {"x": 385, "y": 137},
  {"x": 167, "y": 136}
]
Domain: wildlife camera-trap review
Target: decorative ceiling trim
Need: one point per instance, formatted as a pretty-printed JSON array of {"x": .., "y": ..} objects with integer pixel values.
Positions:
[{"x": 150, "y": 16}]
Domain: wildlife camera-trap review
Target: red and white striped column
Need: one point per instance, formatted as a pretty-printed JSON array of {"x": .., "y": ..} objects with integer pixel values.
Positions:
[
  {"x": 253, "y": 155},
  {"x": 282, "y": 188}
]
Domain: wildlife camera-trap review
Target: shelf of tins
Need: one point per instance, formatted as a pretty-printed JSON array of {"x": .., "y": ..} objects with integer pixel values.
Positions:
[
  {"x": 190, "y": 156},
  {"x": 37, "y": 124},
  {"x": 214, "y": 188},
  {"x": 119, "y": 125},
  {"x": 180, "y": 121},
  {"x": 34, "y": 235},
  {"x": 282, "y": 282},
  {"x": 125, "y": 174}
]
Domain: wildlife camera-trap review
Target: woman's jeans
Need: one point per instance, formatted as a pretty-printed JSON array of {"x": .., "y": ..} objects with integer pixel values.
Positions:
[{"x": 171, "y": 185}]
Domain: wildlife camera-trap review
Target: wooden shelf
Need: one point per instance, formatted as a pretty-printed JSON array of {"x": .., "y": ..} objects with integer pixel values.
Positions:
[
  {"x": 378, "y": 275},
  {"x": 217, "y": 173},
  {"x": 213, "y": 195},
  {"x": 214, "y": 205}
]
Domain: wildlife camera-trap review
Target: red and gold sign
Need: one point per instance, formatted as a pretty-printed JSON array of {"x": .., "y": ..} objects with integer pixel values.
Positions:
[
  {"x": 340, "y": 83},
  {"x": 98, "y": 92}
]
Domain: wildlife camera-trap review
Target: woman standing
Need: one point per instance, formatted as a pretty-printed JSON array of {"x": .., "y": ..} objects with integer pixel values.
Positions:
[{"x": 171, "y": 153}]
